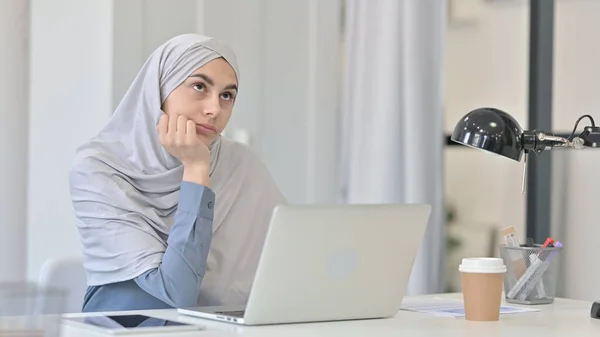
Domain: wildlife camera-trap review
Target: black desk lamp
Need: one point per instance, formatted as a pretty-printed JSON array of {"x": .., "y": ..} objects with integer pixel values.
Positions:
[{"x": 497, "y": 132}]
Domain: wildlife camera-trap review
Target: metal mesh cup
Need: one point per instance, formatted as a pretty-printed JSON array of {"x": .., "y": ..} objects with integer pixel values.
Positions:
[
  {"x": 29, "y": 310},
  {"x": 531, "y": 273}
]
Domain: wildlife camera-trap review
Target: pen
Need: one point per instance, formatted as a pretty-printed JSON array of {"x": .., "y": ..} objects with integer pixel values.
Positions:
[
  {"x": 539, "y": 270},
  {"x": 539, "y": 291},
  {"x": 530, "y": 242},
  {"x": 548, "y": 243},
  {"x": 523, "y": 280}
]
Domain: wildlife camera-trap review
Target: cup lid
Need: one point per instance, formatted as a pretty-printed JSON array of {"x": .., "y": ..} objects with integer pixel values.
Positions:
[{"x": 482, "y": 265}]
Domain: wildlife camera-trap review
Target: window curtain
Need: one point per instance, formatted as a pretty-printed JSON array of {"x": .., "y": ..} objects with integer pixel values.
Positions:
[{"x": 392, "y": 133}]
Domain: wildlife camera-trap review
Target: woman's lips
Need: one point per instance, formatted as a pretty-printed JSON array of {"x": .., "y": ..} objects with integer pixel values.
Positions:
[{"x": 206, "y": 129}]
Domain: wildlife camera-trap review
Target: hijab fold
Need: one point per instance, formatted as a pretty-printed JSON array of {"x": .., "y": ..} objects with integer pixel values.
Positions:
[{"x": 125, "y": 185}]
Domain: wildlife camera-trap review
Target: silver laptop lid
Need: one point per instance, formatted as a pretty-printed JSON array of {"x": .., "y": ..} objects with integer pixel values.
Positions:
[{"x": 336, "y": 262}]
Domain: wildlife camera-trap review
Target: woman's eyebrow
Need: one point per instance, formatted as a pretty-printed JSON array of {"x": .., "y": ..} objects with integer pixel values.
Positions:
[
  {"x": 205, "y": 78},
  {"x": 232, "y": 87},
  {"x": 210, "y": 81}
]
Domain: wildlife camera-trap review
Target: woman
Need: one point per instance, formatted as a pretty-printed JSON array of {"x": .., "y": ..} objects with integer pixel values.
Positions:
[{"x": 169, "y": 213}]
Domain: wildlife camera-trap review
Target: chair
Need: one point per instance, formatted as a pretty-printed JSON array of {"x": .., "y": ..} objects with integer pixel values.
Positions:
[{"x": 66, "y": 273}]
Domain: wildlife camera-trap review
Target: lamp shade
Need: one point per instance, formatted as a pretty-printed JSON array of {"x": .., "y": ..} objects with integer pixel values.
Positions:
[{"x": 491, "y": 130}]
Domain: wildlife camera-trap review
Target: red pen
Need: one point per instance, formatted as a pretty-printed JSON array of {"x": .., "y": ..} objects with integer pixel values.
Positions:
[{"x": 549, "y": 242}]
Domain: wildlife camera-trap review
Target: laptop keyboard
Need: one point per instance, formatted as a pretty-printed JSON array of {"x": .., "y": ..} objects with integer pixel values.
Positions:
[{"x": 239, "y": 313}]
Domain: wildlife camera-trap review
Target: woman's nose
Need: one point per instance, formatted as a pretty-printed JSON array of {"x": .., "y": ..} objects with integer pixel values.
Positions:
[{"x": 212, "y": 106}]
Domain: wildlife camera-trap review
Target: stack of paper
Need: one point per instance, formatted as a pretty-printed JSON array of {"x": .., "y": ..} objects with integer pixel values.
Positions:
[{"x": 452, "y": 308}]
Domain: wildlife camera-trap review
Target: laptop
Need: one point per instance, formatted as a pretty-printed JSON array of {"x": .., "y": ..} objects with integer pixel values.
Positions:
[{"x": 330, "y": 263}]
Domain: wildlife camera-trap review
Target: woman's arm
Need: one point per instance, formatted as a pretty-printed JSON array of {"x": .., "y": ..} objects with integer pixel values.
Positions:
[{"x": 178, "y": 278}]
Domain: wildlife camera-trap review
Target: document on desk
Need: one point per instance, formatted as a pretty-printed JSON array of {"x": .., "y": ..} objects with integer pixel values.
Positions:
[{"x": 452, "y": 308}]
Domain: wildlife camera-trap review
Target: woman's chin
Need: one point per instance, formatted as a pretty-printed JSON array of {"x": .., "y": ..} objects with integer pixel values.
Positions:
[{"x": 207, "y": 140}]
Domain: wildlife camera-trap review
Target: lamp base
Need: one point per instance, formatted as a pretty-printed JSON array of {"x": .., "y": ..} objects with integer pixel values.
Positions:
[{"x": 595, "y": 312}]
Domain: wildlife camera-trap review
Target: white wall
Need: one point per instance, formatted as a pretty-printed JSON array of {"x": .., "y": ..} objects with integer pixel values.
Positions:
[
  {"x": 577, "y": 69},
  {"x": 486, "y": 65},
  {"x": 70, "y": 99},
  {"x": 14, "y": 27}
]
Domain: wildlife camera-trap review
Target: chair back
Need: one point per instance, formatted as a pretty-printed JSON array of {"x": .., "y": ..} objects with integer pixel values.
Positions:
[{"x": 67, "y": 274}]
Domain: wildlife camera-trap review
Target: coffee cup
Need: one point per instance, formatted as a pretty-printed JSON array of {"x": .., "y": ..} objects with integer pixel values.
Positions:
[{"x": 482, "y": 280}]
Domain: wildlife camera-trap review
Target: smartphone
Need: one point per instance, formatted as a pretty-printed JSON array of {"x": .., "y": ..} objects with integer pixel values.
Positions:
[{"x": 129, "y": 324}]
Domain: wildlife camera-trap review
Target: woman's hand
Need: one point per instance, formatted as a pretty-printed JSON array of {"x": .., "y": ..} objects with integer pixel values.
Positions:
[{"x": 178, "y": 136}]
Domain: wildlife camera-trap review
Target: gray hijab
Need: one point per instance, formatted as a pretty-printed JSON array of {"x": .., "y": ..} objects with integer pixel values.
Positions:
[{"x": 125, "y": 185}]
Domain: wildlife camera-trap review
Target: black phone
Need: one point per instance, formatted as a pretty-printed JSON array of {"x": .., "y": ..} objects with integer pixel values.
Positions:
[
  {"x": 595, "y": 311},
  {"x": 130, "y": 324}
]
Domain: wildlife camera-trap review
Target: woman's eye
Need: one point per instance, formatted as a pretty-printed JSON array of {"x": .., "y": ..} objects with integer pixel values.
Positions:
[
  {"x": 227, "y": 96},
  {"x": 199, "y": 87}
]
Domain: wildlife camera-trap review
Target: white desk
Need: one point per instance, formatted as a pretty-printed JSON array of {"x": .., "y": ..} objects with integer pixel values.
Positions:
[{"x": 562, "y": 318}]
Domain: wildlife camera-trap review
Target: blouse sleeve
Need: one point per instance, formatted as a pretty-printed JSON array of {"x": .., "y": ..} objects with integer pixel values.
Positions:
[{"x": 176, "y": 281}]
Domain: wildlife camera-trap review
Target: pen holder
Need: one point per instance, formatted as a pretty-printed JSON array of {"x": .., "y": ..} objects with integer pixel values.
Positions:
[
  {"x": 29, "y": 310},
  {"x": 531, "y": 273}
]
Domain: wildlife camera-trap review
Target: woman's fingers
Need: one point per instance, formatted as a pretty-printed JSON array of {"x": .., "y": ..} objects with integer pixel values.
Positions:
[
  {"x": 178, "y": 136},
  {"x": 181, "y": 124},
  {"x": 172, "y": 125},
  {"x": 181, "y": 129},
  {"x": 191, "y": 131},
  {"x": 177, "y": 131}
]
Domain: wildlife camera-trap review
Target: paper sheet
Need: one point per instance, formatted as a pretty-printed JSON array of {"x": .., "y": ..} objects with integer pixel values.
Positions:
[{"x": 453, "y": 308}]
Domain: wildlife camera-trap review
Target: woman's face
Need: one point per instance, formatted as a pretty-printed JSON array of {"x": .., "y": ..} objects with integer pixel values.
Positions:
[{"x": 206, "y": 97}]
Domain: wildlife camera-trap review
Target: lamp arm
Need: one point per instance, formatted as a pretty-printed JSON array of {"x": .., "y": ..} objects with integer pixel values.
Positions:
[{"x": 538, "y": 141}]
